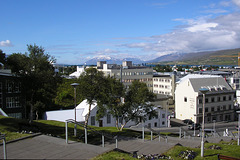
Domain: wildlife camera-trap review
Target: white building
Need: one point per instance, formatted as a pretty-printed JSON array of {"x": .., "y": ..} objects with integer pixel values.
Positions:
[
  {"x": 77, "y": 74},
  {"x": 107, "y": 121},
  {"x": 219, "y": 98},
  {"x": 164, "y": 84}
]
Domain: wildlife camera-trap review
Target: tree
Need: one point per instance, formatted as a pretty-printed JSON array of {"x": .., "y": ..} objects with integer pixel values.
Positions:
[
  {"x": 112, "y": 101},
  {"x": 92, "y": 87},
  {"x": 65, "y": 93},
  {"x": 2, "y": 58},
  {"x": 138, "y": 103},
  {"x": 38, "y": 77}
]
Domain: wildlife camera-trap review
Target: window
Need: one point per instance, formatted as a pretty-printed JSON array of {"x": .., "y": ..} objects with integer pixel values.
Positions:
[
  {"x": 230, "y": 98},
  {"x": 218, "y": 108},
  {"x": 200, "y": 101},
  {"x": 206, "y": 109},
  {"x": 218, "y": 99},
  {"x": 230, "y": 107},
  {"x": 155, "y": 124},
  {"x": 12, "y": 102},
  {"x": 212, "y": 99},
  {"x": 200, "y": 110},
  {"x": 163, "y": 115},
  {"x": 206, "y": 100},
  {"x": 108, "y": 118},
  {"x": 92, "y": 120},
  {"x": 185, "y": 99},
  {"x": 212, "y": 109},
  {"x": 224, "y": 107},
  {"x": 163, "y": 122},
  {"x": 224, "y": 98}
]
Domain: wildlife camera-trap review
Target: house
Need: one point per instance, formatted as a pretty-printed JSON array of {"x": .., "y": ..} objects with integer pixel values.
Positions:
[
  {"x": 218, "y": 101},
  {"x": 12, "y": 99},
  {"x": 78, "y": 73},
  {"x": 107, "y": 121}
]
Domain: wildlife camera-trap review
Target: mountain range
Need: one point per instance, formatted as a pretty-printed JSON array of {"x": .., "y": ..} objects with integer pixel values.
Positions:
[{"x": 218, "y": 57}]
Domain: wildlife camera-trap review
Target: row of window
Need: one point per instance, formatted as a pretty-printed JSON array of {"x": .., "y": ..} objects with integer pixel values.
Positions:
[
  {"x": 216, "y": 99},
  {"x": 15, "y": 115},
  {"x": 13, "y": 102},
  {"x": 161, "y": 92},
  {"x": 141, "y": 80},
  {"x": 161, "y": 86},
  {"x": 12, "y": 87},
  {"x": 135, "y": 73},
  {"x": 161, "y": 80},
  {"x": 120, "y": 119},
  {"x": 216, "y": 108}
]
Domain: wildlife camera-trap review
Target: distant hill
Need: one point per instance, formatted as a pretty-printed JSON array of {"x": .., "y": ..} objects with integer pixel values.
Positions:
[
  {"x": 220, "y": 57},
  {"x": 111, "y": 60}
]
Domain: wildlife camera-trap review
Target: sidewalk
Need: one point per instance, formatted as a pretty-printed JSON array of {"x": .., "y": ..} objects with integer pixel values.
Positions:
[{"x": 46, "y": 147}]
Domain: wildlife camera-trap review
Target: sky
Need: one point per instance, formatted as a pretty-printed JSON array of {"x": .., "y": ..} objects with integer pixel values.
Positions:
[{"x": 74, "y": 31}]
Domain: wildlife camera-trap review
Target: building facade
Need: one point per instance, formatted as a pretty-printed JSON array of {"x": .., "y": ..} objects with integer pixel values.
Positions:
[
  {"x": 127, "y": 73},
  {"x": 12, "y": 99},
  {"x": 219, "y": 105}
]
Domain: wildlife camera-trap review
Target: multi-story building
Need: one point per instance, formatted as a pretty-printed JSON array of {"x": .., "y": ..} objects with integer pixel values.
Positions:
[
  {"x": 127, "y": 73},
  {"x": 164, "y": 84},
  {"x": 11, "y": 98},
  {"x": 218, "y": 100}
]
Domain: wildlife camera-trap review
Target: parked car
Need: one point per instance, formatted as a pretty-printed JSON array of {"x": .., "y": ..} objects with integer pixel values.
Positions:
[
  {"x": 188, "y": 121},
  {"x": 194, "y": 125}
]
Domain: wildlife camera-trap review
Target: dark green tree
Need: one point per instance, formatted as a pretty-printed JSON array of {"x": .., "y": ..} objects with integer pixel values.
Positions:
[
  {"x": 92, "y": 87},
  {"x": 138, "y": 103},
  {"x": 2, "y": 58},
  {"x": 112, "y": 102},
  {"x": 38, "y": 77},
  {"x": 65, "y": 93}
]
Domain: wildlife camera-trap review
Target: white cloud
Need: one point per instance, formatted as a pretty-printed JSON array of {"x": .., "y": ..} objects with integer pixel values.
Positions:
[
  {"x": 201, "y": 34},
  {"x": 6, "y": 43},
  {"x": 236, "y": 2}
]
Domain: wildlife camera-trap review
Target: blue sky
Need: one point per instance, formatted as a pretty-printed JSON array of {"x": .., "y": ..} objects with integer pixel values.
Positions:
[{"x": 74, "y": 31}]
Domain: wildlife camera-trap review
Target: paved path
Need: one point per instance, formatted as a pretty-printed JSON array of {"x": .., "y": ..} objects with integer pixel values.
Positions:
[{"x": 46, "y": 147}]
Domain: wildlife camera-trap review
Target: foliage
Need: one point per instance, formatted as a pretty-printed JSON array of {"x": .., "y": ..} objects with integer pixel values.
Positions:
[
  {"x": 92, "y": 87},
  {"x": 65, "y": 93},
  {"x": 137, "y": 103},
  {"x": 163, "y": 68},
  {"x": 38, "y": 77},
  {"x": 112, "y": 101},
  {"x": 2, "y": 57}
]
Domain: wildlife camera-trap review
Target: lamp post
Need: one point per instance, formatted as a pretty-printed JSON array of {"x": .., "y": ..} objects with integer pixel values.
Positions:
[
  {"x": 203, "y": 91},
  {"x": 194, "y": 125},
  {"x": 75, "y": 126},
  {"x": 214, "y": 127},
  {"x": 238, "y": 142}
]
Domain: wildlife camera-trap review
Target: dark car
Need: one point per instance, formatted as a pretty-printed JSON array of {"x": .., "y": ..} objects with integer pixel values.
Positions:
[
  {"x": 188, "y": 121},
  {"x": 194, "y": 125}
]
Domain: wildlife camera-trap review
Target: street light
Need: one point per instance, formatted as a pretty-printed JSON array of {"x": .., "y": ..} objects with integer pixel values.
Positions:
[
  {"x": 203, "y": 91},
  {"x": 75, "y": 126}
]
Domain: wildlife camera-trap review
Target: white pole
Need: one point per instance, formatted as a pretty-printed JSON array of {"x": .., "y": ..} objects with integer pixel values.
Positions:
[
  {"x": 85, "y": 135},
  {"x": 142, "y": 130},
  {"x": 66, "y": 131}
]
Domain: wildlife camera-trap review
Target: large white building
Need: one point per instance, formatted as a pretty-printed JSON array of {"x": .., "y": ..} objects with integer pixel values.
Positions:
[
  {"x": 107, "y": 121},
  {"x": 219, "y": 98}
]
